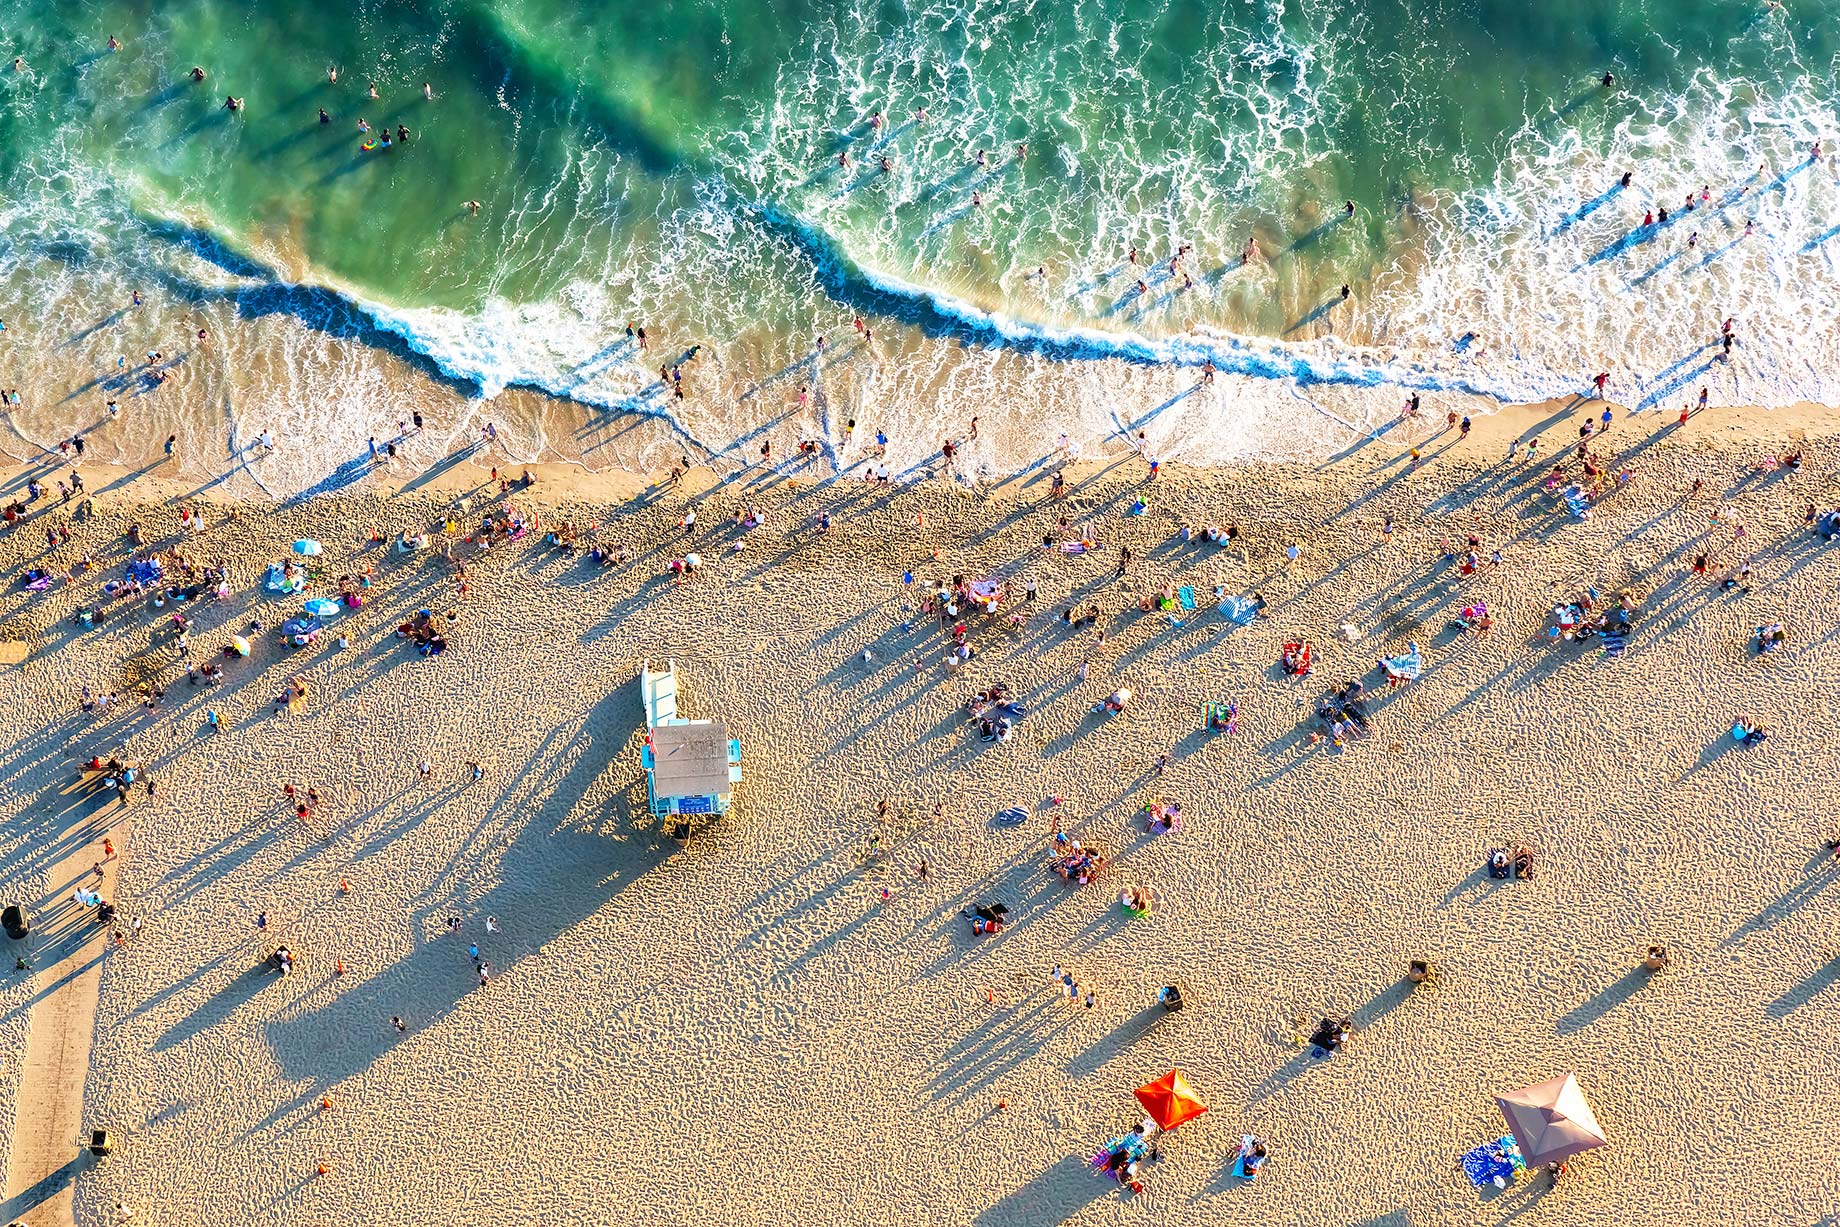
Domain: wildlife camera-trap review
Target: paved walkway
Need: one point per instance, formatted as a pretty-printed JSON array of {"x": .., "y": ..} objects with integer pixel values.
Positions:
[{"x": 49, "y": 1136}]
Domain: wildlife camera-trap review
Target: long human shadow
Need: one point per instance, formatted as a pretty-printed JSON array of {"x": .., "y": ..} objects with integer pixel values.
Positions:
[
  {"x": 1824, "y": 978},
  {"x": 1315, "y": 313},
  {"x": 45, "y": 1189},
  {"x": 1784, "y": 905},
  {"x": 1587, "y": 208},
  {"x": 1316, "y": 234},
  {"x": 994, "y": 1045},
  {"x": 1055, "y": 1196},
  {"x": 1108, "y": 1047},
  {"x": 563, "y": 873},
  {"x": 1821, "y": 238},
  {"x": 1602, "y": 1002}
]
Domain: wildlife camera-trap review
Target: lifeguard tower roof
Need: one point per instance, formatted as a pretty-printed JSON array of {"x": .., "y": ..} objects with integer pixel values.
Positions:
[
  {"x": 690, "y": 765},
  {"x": 690, "y": 760}
]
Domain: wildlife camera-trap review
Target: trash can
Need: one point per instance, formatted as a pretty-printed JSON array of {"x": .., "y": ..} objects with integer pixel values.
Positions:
[
  {"x": 1170, "y": 997},
  {"x": 16, "y": 922},
  {"x": 99, "y": 1144}
]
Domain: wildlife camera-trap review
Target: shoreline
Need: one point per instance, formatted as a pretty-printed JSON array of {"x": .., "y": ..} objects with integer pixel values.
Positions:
[{"x": 462, "y": 471}]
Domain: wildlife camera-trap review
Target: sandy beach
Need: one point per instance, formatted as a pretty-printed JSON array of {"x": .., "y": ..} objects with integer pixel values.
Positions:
[{"x": 740, "y": 1027}]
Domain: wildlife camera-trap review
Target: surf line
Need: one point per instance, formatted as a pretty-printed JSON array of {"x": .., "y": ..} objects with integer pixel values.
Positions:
[{"x": 941, "y": 315}]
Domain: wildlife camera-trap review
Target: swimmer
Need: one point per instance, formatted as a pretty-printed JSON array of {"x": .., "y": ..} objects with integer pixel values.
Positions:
[
  {"x": 920, "y": 117},
  {"x": 363, "y": 124},
  {"x": 1609, "y": 79},
  {"x": 1627, "y": 176},
  {"x": 976, "y": 199},
  {"x": 233, "y": 104},
  {"x": 843, "y": 159},
  {"x": 427, "y": 92},
  {"x": 1142, "y": 289},
  {"x": 402, "y": 134},
  {"x": 1348, "y": 208},
  {"x": 115, "y": 45},
  {"x": 1041, "y": 270},
  {"x": 1022, "y": 150},
  {"x": 197, "y": 73},
  {"x": 323, "y": 117},
  {"x": 981, "y": 158},
  {"x": 19, "y": 63},
  {"x": 374, "y": 93},
  {"x": 472, "y": 206},
  {"x": 1345, "y": 291},
  {"x": 332, "y": 75},
  {"x": 885, "y": 164},
  {"x": 875, "y": 121}
]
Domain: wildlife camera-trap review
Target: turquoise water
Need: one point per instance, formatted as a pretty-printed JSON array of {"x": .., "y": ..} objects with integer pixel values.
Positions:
[{"x": 678, "y": 165}]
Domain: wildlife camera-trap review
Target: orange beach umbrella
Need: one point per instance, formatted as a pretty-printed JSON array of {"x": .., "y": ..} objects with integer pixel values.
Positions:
[{"x": 1170, "y": 1100}]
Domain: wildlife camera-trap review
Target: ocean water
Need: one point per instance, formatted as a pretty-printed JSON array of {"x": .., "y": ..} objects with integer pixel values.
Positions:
[{"x": 715, "y": 172}]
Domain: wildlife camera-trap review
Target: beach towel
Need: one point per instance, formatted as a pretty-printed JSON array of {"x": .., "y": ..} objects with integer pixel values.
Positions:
[
  {"x": 1406, "y": 667},
  {"x": 1014, "y": 816},
  {"x": 1186, "y": 596},
  {"x": 1238, "y": 609},
  {"x": 1487, "y": 1165}
]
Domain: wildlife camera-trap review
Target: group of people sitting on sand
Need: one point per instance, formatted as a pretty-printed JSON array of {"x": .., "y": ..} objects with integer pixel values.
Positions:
[
  {"x": 1581, "y": 618},
  {"x": 1342, "y": 715},
  {"x": 994, "y": 712},
  {"x": 428, "y": 632},
  {"x": 1517, "y": 864},
  {"x": 1162, "y": 817},
  {"x": 1072, "y": 861},
  {"x": 1121, "y": 1158}
]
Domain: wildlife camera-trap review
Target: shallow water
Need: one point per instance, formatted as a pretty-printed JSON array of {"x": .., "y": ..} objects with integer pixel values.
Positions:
[{"x": 678, "y": 166}]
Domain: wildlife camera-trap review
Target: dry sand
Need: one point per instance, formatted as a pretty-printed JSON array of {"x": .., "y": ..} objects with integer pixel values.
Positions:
[{"x": 738, "y": 1030}]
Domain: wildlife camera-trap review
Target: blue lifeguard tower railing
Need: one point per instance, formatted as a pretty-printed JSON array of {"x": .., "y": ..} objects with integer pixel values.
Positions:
[{"x": 691, "y": 766}]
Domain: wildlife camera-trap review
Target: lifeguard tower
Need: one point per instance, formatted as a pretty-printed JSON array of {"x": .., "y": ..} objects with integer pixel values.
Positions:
[{"x": 690, "y": 765}]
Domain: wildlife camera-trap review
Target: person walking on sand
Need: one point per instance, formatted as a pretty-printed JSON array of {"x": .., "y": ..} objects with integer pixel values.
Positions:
[{"x": 1602, "y": 378}]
